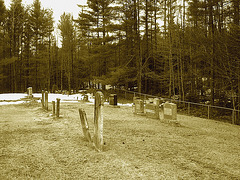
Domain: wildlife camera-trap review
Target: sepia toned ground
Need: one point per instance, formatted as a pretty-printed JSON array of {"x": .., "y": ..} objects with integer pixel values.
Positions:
[{"x": 34, "y": 145}]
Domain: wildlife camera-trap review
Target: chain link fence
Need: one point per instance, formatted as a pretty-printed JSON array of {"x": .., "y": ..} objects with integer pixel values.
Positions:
[{"x": 188, "y": 108}]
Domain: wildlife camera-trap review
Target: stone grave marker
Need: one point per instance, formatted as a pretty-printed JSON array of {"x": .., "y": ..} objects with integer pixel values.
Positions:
[
  {"x": 138, "y": 105},
  {"x": 29, "y": 91},
  {"x": 113, "y": 99},
  {"x": 161, "y": 117},
  {"x": 85, "y": 98},
  {"x": 152, "y": 110},
  {"x": 156, "y": 101},
  {"x": 170, "y": 111}
]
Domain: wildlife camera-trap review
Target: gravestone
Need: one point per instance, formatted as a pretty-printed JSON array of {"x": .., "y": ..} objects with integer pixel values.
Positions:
[
  {"x": 156, "y": 101},
  {"x": 152, "y": 110},
  {"x": 161, "y": 117},
  {"x": 29, "y": 91},
  {"x": 98, "y": 121},
  {"x": 113, "y": 99},
  {"x": 138, "y": 105},
  {"x": 170, "y": 111},
  {"x": 85, "y": 98}
]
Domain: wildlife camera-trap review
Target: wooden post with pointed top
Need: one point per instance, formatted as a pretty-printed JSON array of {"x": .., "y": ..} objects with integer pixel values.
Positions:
[{"x": 98, "y": 121}]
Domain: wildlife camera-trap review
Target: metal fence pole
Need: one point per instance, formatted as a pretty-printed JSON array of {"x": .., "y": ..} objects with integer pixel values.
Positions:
[
  {"x": 208, "y": 112},
  {"x": 188, "y": 108},
  {"x": 233, "y": 117}
]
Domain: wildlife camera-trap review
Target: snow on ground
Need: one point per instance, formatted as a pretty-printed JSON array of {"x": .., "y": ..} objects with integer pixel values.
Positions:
[
  {"x": 12, "y": 96},
  {"x": 16, "y": 98}
]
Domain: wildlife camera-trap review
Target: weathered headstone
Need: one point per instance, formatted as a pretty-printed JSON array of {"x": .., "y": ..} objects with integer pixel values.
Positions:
[
  {"x": 156, "y": 101},
  {"x": 152, "y": 110},
  {"x": 29, "y": 91},
  {"x": 113, "y": 99},
  {"x": 138, "y": 106},
  {"x": 161, "y": 117},
  {"x": 98, "y": 121},
  {"x": 85, "y": 98},
  {"x": 170, "y": 111},
  {"x": 84, "y": 124}
]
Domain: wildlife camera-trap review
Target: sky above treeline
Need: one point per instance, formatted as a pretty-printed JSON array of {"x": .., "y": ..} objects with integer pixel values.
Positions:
[{"x": 58, "y": 6}]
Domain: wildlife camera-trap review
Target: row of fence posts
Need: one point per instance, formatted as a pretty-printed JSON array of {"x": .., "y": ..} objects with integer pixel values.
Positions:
[
  {"x": 97, "y": 139},
  {"x": 234, "y": 119},
  {"x": 234, "y": 112},
  {"x": 55, "y": 108}
]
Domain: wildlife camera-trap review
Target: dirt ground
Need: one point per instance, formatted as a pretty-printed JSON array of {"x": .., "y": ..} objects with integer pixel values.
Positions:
[{"x": 34, "y": 145}]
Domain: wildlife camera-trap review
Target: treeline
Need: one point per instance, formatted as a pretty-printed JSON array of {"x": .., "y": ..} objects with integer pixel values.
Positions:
[{"x": 187, "y": 49}]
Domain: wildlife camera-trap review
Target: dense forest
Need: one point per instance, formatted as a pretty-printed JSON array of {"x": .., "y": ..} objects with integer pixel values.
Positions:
[{"x": 188, "y": 49}]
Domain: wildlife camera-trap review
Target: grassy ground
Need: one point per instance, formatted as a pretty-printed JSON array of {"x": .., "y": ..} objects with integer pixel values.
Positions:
[{"x": 33, "y": 145}]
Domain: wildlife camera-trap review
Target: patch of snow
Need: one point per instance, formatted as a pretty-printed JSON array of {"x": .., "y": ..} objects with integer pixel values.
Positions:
[
  {"x": 8, "y": 103},
  {"x": 128, "y": 104},
  {"x": 12, "y": 96},
  {"x": 51, "y": 97}
]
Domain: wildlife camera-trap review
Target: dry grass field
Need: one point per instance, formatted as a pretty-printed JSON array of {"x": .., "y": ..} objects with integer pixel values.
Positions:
[{"x": 34, "y": 145}]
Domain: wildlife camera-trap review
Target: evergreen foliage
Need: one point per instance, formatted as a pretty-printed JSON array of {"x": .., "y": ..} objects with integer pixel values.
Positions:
[{"x": 187, "y": 49}]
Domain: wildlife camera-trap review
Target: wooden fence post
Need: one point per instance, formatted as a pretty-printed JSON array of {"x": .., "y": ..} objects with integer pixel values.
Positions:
[
  {"x": 188, "y": 108},
  {"x": 43, "y": 103},
  {"x": 46, "y": 100},
  {"x": 53, "y": 108},
  {"x": 58, "y": 107},
  {"x": 98, "y": 121}
]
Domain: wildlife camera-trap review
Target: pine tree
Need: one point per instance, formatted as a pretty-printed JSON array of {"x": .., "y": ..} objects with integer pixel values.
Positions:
[
  {"x": 66, "y": 27},
  {"x": 2, "y": 42},
  {"x": 41, "y": 25}
]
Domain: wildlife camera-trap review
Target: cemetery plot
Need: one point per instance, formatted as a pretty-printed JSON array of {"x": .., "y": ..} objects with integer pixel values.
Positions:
[{"x": 33, "y": 145}]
